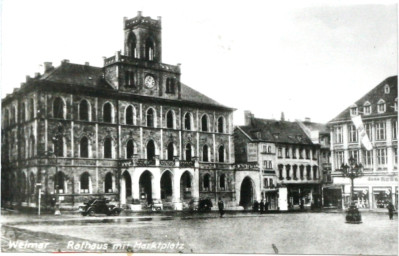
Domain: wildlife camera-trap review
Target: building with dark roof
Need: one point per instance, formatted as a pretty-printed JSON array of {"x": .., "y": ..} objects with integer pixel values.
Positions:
[
  {"x": 379, "y": 112},
  {"x": 287, "y": 159},
  {"x": 129, "y": 131}
]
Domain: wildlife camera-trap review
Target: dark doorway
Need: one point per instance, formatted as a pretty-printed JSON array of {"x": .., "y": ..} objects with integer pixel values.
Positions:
[
  {"x": 247, "y": 193},
  {"x": 166, "y": 186},
  {"x": 146, "y": 186},
  {"x": 185, "y": 186},
  {"x": 128, "y": 184}
]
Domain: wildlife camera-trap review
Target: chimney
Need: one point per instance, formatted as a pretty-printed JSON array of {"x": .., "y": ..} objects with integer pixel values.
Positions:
[
  {"x": 87, "y": 63},
  {"x": 64, "y": 61},
  {"x": 37, "y": 75},
  {"x": 282, "y": 116},
  {"x": 307, "y": 119},
  {"x": 248, "y": 116},
  {"x": 139, "y": 13},
  {"x": 48, "y": 66}
]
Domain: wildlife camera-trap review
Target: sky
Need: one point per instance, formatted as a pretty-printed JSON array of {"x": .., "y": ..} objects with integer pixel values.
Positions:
[{"x": 306, "y": 59}]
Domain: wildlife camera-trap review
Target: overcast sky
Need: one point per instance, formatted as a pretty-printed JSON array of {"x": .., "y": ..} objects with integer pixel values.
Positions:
[{"x": 303, "y": 59}]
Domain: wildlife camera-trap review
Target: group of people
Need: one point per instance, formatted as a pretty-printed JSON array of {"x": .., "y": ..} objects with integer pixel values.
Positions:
[{"x": 263, "y": 206}]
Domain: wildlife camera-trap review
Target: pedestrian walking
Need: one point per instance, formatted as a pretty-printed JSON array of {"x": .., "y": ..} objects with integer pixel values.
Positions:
[
  {"x": 262, "y": 206},
  {"x": 221, "y": 207},
  {"x": 256, "y": 206},
  {"x": 391, "y": 209}
]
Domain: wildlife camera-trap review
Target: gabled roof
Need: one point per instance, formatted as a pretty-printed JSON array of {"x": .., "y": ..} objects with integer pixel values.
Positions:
[
  {"x": 189, "y": 94},
  {"x": 84, "y": 75},
  {"x": 76, "y": 74},
  {"x": 276, "y": 131},
  {"x": 373, "y": 96}
]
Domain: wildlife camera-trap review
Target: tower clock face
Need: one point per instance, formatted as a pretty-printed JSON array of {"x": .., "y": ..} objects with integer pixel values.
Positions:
[{"x": 149, "y": 81}]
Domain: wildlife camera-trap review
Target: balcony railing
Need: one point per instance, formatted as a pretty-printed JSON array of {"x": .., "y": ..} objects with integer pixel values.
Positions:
[
  {"x": 167, "y": 163},
  {"x": 186, "y": 163}
]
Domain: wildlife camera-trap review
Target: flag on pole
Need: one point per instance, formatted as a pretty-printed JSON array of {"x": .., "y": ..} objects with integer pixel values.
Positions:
[{"x": 357, "y": 121}]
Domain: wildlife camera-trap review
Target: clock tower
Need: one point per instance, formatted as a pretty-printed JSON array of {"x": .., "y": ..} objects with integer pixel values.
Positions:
[{"x": 139, "y": 69}]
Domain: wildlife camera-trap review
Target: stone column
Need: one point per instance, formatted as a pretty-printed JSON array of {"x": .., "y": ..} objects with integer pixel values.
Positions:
[
  {"x": 176, "y": 190},
  {"x": 195, "y": 185},
  {"x": 156, "y": 185}
]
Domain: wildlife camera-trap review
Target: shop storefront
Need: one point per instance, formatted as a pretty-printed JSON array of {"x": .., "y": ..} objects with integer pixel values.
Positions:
[
  {"x": 372, "y": 192},
  {"x": 332, "y": 196}
]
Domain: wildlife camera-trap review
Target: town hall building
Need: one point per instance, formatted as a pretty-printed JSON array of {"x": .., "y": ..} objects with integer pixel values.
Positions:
[{"x": 129, "y": 131}]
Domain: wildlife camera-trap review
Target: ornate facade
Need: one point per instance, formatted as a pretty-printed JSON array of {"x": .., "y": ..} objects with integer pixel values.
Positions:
[{"x": 129, "y": 131}]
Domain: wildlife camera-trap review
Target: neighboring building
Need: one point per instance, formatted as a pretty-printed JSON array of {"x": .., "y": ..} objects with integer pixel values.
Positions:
[
  {"x": 288, "y": 161},
  {"x": 379, "y": 112},
  {"x": 129, "y": 131},
  {"x": 320, "y": 134}
]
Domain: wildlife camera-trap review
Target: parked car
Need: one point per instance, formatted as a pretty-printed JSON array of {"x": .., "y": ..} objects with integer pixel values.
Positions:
[
  {"x": 205, "y": 205},
  {"x": 94, "y": 206}
]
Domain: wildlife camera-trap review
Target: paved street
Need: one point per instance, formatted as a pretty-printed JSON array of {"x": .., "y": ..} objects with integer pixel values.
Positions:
[{"x": 299, "y": 233}]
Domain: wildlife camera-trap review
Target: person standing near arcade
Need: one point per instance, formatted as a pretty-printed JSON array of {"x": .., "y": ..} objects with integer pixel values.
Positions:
[{"x": 221, "y": 207}]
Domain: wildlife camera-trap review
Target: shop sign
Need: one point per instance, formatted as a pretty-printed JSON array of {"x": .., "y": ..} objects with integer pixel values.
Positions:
[
  {"x": 383, "y": 179},
  {"x": 252, "y": 152}
]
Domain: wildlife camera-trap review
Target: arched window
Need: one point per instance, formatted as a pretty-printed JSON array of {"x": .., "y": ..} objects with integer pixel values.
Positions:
[
  {"x": 84, "y": 147},
  {"x": 220, "y": 125},
  {"x": 108, "y": 183},
  {"x": 149, "y": 49},
  {"x": 58, "y": 108},
  {"x": 129, "y": 149},
  {"x": 222, "y": 182},
  {"x": 150, "y": 150},
  {"x": 7, "y": 117},
  {"x": 187, "y": 121},
  {"x": 205, "y": 153},
  {"x": 221, "y": 154},
  {"x": 84, "y": 182},
  {"x": 107, "y": 148},
  {"x": 132, "y": 42},
  {"x": 31, "y": 146},
  {"x": 129, "y": 115},
  {"x": 188, "y": 152},
  {"x": 59, "y": 182},
  {"x": 32, "y": 184},
  {"x": 170, "y": 119},
  {"x": 23, "y": 115},
  {"x": 204, "y": 123},
  {"x": 150, "y": 118},
  {"x": 31, "y": 108},
  {"x": 58, "y": 145},
  {"x": 170, "y": 151},
  {"x": 107, "y": 113},
  {"x": 84, "y": 110},
  {"x": 207, "y": 182},
  {"x": 381, "y": 107}
]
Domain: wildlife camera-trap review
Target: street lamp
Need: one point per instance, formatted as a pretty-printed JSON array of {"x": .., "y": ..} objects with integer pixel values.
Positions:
[{"x": 352, "y": 171}]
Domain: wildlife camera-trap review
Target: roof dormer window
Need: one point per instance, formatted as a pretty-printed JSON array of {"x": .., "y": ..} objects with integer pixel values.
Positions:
[
  {"x": 386, "y": 89},
  {"x": 367, "y": 108},
  {"x": 354, "y": 111},
  {"x": 381, "y": 106}
]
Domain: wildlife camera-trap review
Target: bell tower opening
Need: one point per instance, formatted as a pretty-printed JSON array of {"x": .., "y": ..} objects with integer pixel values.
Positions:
[{"x": 143, "y": 38}]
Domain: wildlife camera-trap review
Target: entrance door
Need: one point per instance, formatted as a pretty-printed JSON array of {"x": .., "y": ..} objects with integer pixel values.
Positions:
[
  {"x": 185, "y": 186},
  {"x": 146, "y": 187},
  {"x": 247, "y": 193},
  {"x": 166, "y": 186}
]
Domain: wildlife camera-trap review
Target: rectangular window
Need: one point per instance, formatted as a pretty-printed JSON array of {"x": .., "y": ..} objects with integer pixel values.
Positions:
[
  {"x": 265, "y": 183},
  {"x": 368, "y": 128},
  {"x": 280, "y": 152},
  {"x": 395, "y": 129},
  {"x": 294, "y": 153},
  {"x": 270, "y": 165},
  {"x": 339, "y": 159},
  {"x": 368, "y": 157},
  {"x": 354, "y": 154},
  {"x": 265, "y": 164},
  {"x": 354, "y": 111},
  {"x": 338, "y": 134},
  {"x": 395, "y": 156},
  {"x": 352, "y": 133},
  {"x": 381, "y": 156},
  {"x": 380, "y": 131},
  {"x": 287, "y": 152},
  {"x": 314, "y": 154},
  {"x": 307, "y": 154},
  {"x": 264, "y": 149}
]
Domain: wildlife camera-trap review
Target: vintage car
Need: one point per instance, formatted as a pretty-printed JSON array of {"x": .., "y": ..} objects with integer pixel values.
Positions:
[{"x": 95, "y": 206}]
